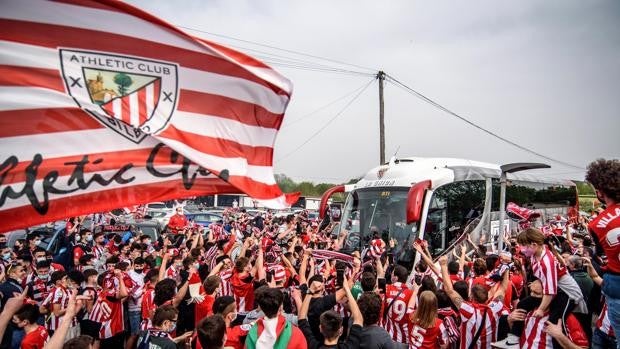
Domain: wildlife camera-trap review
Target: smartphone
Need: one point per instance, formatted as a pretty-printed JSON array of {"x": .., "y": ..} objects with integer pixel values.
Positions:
[
  {"x": 339, "y": 278},
  {"x": 382, "y": 285}
]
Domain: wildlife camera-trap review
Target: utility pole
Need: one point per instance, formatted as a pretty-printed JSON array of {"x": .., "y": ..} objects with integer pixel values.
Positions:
[{"x": 381, "y": 77}]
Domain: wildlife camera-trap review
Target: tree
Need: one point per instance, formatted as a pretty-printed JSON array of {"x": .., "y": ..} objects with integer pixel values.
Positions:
[
  {"x": 306, "y": 188},
  {"x": 123, "y": 81}
]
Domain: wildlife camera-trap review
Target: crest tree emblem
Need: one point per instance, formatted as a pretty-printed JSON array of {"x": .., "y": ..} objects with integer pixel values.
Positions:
[{"x": 133, "y": 96}]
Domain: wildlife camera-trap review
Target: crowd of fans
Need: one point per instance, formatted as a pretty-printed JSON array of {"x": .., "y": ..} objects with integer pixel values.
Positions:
[{"x": 282, "y": 282}]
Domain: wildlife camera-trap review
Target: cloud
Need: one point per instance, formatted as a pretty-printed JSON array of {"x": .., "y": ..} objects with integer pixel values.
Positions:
[{"x": 542, "y": 74}]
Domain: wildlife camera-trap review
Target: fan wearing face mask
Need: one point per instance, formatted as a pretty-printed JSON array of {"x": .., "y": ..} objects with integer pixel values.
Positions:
[
  {"x": 164, "y": 322},
  {"x": 40, "y": 286}
]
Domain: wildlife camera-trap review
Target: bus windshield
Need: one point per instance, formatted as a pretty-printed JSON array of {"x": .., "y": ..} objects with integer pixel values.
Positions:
[{"x": 378, "y": 213}]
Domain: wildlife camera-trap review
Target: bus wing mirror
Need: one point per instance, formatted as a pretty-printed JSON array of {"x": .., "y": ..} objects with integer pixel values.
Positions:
[
  {"x": 415, "y": 200},
  {"x": 328, "y": 193}
]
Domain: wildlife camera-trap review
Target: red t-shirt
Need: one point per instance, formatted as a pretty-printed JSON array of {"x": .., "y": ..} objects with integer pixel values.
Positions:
[
  {"x": 78, "y": 252},
  {"x": 428, "y": 338},
  {"x": 235, "y": 334},
  {"x": 204, "y": 308},
  {"x": 606, "y": 227},
  {"x": 35, "y": 339},
  {"x": 517, "y": 281},
  {"x": 177, "y": 222}
]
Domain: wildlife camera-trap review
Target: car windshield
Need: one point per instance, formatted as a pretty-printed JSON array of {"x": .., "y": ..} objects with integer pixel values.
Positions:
[
  {"x": 156, "y": 214},
  {"x": 378, "y": 212},
  {"x": 207, "y": 218},
  {"x": 150, "y": 231}
]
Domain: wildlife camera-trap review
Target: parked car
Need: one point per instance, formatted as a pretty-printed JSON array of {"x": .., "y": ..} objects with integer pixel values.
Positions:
[
  {"x": 156, "y": 206},
  {"x": 204, "y": 219},
  {"x": 149, "y": 227},
  {"x": 52, "y": 239}
]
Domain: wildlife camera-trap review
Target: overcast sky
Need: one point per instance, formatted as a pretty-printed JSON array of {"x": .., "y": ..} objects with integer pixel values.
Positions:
[{"x": 543, "y": 74}]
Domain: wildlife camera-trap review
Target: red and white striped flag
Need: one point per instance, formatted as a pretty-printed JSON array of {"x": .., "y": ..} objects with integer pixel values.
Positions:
[{"x": 103, "y": 105}]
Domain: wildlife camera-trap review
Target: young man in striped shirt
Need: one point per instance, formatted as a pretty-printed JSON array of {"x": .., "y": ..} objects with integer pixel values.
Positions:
[
  {"x": 58, "y": 301},
  {"x": 476, "y": 314}
]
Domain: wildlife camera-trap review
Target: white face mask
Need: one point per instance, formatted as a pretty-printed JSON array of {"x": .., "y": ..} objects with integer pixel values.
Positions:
[{"x": 77, "y": 238}]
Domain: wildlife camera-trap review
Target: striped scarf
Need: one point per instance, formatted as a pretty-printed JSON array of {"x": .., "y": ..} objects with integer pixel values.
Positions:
[{"x": 332, "y": 255}]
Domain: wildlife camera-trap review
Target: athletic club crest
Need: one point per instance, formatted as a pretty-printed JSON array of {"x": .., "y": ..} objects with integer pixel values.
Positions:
[{"x": 133, "y": 96}]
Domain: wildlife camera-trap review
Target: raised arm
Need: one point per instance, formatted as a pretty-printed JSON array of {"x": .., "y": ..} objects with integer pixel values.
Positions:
[
  {"x": 164, "y": 262},
  {"x": 304, "y": 326},
  {"x": 259, "y": 268},
  {"x": 122, "y": 288},
  {"x": 178, "y": 298},
  {"x": 462, "y": 259},
  {"x": 289, "y": 266},
  {"x": 304, "y": 266},
  {"x": 447, "y": 283},
  {"x": 592, "y": 272},
  {"x": 356, "y": 314},
  {"x": 423, "y": 253},
  {"x": 501, "y": 292}
]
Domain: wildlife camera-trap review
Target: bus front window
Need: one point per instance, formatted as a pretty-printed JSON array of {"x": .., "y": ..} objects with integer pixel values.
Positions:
[{"x": 377, "y": 213}]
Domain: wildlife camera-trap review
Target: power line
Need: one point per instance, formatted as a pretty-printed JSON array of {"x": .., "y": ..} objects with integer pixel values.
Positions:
[
  {"x": 279, "y": 48},
  {"x": 491, "y": 133},
  {"x": 322, "y": 107},
  {"x": 328, "y": 122}
]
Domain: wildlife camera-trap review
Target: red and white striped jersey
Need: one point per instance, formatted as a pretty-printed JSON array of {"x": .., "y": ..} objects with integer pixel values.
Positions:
[
  {"x": 114, "y": 322},
  {"x": 548, "y": 271},
  {"x": 173, "y": 273},
  {"x": 101, "y": 311},
  {"x": 471, "y": 317},
  {"x": 92, "y": 293},
  {"x": 397, "y": 322},
  {"x": 243, "y": 291},
  {"x": 603, "y": 323},
  {"x": 225, "y": 286},
  {"x": 534, "y": 336},
  {"x": 58, "y": 296},
  {"x": 99, "y": 252},
  {"x": 428, "y": 338},
  {"x": 148, "y": 307},
  {"x": 38, "y": 290}
]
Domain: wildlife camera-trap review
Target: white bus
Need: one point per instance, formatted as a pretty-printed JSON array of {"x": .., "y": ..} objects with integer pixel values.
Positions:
[{"x": 442, "y": 200}]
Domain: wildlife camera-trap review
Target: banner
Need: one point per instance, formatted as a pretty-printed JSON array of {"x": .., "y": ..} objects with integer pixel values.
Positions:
[{"x": 103, "y": 106}]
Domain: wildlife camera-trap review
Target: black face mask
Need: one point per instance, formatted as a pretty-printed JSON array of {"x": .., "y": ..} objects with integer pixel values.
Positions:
[{"x": 139, "y": 271}]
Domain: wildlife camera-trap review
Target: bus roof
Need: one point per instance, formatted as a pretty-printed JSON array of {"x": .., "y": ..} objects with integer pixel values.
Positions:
[{"x": 404, "y": 172}]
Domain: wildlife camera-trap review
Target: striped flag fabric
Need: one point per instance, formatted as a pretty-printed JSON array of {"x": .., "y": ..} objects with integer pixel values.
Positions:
[
  {"x": 137, "y": 107},
  {"x": 103, "y": 105}
]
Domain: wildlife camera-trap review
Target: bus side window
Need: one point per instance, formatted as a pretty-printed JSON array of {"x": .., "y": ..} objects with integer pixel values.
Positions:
[{"x": 451, "y": 208}]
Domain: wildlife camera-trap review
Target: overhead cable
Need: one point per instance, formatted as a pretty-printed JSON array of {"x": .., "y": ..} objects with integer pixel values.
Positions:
[
  {"x": 328, "y": 122},
  {"x": 419, "y": 95}
]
